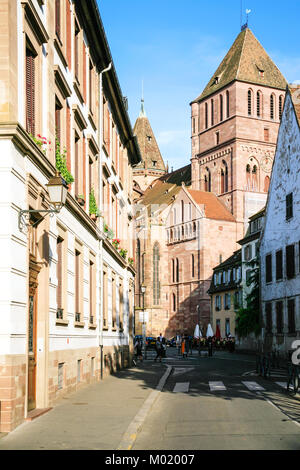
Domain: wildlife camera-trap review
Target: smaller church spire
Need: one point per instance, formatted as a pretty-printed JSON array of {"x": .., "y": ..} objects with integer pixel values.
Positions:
[{"x": 142, "y": 112}]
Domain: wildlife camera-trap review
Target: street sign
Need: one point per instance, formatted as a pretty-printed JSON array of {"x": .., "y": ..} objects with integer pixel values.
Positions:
[{"x": 143, "y": 317}]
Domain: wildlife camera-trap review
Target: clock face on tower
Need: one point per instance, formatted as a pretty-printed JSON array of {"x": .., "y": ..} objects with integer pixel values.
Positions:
[{"x": 266, "y": 164}]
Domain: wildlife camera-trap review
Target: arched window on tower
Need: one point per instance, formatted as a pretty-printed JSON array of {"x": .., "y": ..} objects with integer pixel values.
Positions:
[
  {"x": 177, "y": 270},
  {"x": 174, "y": 302},
  {"x": 272, "y": 107},
  {"x": 227, "y": 103},
  {"x": 212, "y": 113},
  {"x": 221, "y": 108},
  {"x": 222, "y": 189},
  {"x": 173, "y": 270},
  {"x": 182, "y": 211},
  {"x": 193, "y": 266},
  {"x": 248, "y": 177},
  {"x": 267, "y": 184},
  {"x": 156, "y": 283},
  {"x": 280, "y": 106},
  {"x": 258, "y": 104},
  {"x": 207, "y": 181},
  {"x": 254, "y": 178},
  {"x": 249, "y": 103},
  {"x": 206, "y": 116}
]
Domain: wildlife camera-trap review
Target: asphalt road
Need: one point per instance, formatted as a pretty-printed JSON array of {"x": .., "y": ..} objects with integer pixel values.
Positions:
[
  {"x": 220, "y": 403},
  {"x": 198, "y": 403}
]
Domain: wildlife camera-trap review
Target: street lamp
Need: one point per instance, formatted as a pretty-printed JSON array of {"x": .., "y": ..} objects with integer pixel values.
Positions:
[
  {"x": 143, "y": 291},
  {"x": 58, "y": 189}
]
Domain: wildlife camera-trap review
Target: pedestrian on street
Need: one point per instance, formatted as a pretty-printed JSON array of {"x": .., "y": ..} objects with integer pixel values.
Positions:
[
  {"x": 159, "y": 349},
  {"x": 210, "y": 346},
  {"x": 178, "y": 343},
  {"x": 138, "y": 348}
]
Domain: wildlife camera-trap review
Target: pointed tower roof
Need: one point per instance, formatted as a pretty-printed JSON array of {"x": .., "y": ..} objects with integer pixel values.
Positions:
[
  {"x": 151, "y": 156},
  {"x": 246, "y": 61}
]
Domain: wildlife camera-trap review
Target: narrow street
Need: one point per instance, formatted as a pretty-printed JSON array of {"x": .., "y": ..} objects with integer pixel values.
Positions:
[{"x": 204, "y": 403}]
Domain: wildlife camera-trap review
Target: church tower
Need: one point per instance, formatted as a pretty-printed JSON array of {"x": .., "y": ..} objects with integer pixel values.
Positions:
[
  {"x": 235, "y": 123},
  {"x": 152, "y": 165}
]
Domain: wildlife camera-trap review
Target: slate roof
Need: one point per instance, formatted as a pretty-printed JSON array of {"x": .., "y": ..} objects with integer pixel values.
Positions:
[
  {"x": 214, "y": 208},
  {"x": 148, "y": 145},
  {"x": 243, "y": 62},
  {"x": 165, "y": 189},
  {"x": 295, "y": 95}
]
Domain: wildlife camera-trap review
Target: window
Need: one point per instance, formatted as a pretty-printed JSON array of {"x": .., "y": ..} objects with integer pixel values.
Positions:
[
  {"x": 280, "y": 106},
  {"x": 121, "y": 304},
  {"x": 269, "y": 268},
  {"x": 279, "y": 265},
  {"x": 174, "y": 302},
  {"x": 207, "y": 181},
  {"x": 217, "y": 138},
  {"x": 212, "y": 113},
  {"x": 227, "y": 302},
  {"x": 289, "y": 206},
  {"x": 77, "y": 286},
  {"x": 206, "y": 116},
  {"x": 156, "y": 283},
  {"x": 267, "y": 134},
  {"x": 249, "y": 103},
  {"x": 267, "y": 184},
  {"x": 77, "y": 31},
  {"x": 182, "y": 211},
  {"x": 78, "y": 370},
  {"x": 290, "y": 261},
  {"x": 113, "y": 295},
  {"x": 92, "y": 291},
  {"x": 269, "y": 317},
  {"x": 193, "y": 125},
  {"x": 105, "y": 294},
  {"x": 272, "y": 105},
  {"x": 221, "y": 108},
  {"x": 193, "y": 266},
  {"x": 30, "y": 91},
  {"x": 218, "y": 303},
  {"x": 258, "y": 104},
  {"x": 57, "y": 18},
  {"x": 228, "y": 103},
  {"x": 291, "y": 316},
  {"x": 227, "y": 326},
  {"x": 60, "y": 378},
  {"x": 177, "y": 270},
  {"x": 173, "y": 270},
  {"x": 248, "y": 253},
  {"x": 279, "y": 317},
  {"x": 59, "y": 274}
]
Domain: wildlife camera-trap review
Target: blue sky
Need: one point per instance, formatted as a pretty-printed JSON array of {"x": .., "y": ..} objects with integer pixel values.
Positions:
[{"x": 174, "y": 47}]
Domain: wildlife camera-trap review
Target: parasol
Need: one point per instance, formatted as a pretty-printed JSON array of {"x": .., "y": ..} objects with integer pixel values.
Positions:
[
  {"x": 197, "y": 332},
  {"x": 209, "y": 332}
]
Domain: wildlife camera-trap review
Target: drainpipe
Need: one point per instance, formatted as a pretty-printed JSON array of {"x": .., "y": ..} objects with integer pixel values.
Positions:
[{"x": 100, "y": 205}]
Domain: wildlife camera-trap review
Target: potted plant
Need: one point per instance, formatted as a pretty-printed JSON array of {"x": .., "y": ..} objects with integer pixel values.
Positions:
[
  {"x": 131, "y": 261},
  {"x": 94, "y": 211},
  {"x": 80, "y": 199},
  {"x": 123, "y": 253},
  {"x": 116, "y": 242}
]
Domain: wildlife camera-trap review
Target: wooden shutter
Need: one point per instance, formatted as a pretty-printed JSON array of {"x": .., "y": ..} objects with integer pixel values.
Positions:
[
  {"x": 59, "y": 273},
  {"x": 269, "y": 268},
  {"x": 57, "y": 17},
  {"x": 30, "y": 92},
  {"x": 290, "y": 261},
  {"x": 57, "y": 122}
]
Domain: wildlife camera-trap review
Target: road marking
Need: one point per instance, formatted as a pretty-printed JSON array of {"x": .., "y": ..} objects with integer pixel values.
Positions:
[
  {"x": 282, "y": 384},
  {"x": 135, "y": 426},
  {"x": 182, "y": 370},
  {"x": 215, "y": 386},
  {"x": 253, "y": 386},
  {"x": 181, "y": 387}
]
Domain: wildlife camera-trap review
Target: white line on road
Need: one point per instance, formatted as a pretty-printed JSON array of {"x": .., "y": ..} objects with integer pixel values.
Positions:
[
  {"x": 253, "y": 386},
  {"x": 137, "y": 423},
  {"x": 215, "y": 386},
  {"x": 181, "y": 387},
  {"x": 282, "y": 384}
]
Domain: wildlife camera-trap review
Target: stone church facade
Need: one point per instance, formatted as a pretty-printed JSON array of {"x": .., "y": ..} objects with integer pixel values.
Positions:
[{"x": 234, "y": 128}]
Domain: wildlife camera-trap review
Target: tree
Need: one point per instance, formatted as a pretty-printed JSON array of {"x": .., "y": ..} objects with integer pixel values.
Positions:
[{"x": 248, "y": 318}]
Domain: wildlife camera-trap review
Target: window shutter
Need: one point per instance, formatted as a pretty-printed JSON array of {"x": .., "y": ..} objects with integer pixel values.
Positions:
[
  {"x": 30, "y": 92},
  {"x": 290, "y": 261},
  {"x": 57, "y": 17},
  {"x": 59, "y": 273}
]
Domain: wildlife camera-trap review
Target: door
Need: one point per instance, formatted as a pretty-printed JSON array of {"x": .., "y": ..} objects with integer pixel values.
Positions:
[{"x": 34, "y": 270}]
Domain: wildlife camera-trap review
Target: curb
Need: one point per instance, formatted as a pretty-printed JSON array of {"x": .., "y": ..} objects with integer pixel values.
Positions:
[{"x": 135, "y": 426}]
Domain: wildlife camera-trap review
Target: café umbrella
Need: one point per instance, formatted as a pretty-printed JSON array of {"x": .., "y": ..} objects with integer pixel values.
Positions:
[
  {"x": 218, "y": 333},
  {"x": 197, "y": 332},
  {"x": 209, "y": 332}
]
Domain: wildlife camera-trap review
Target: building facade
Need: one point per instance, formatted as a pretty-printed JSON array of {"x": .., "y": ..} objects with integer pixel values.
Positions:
[
  {"x": 67, "y": 293},
  {"x": 226, "y": 294},
  {"x": 280, "y": 244}
]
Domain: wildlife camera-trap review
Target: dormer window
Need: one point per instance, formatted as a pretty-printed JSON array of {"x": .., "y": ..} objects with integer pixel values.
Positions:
[
  {"x": 154, "y": 163},
  {"x": 149, "y": 138},
  {"x": 216, "y": 80}
]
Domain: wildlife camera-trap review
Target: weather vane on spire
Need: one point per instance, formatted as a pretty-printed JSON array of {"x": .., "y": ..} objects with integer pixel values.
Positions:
[
  {"x": 245, "y": 26},
  {"x": 142, "y": 113}
]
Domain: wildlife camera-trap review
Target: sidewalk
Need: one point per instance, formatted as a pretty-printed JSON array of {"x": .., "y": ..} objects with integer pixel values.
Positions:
[{"x": 94, "y": 418}]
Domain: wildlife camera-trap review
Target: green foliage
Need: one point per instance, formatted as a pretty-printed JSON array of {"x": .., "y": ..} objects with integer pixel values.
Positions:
[
  {"x": 93, "y": 205},
  {"x": 61, "y": 163},
  {"x": 248, "y": 318},
  {"x": 123, "y": 253}
]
